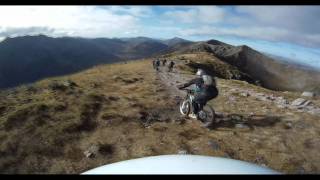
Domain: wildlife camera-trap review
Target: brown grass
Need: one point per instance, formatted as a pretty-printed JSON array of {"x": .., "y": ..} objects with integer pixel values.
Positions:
[{"x": 50, "y": 132}]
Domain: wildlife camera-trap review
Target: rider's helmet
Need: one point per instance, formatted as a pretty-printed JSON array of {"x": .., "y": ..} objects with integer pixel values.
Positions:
[{"x": 200, "y": 72}]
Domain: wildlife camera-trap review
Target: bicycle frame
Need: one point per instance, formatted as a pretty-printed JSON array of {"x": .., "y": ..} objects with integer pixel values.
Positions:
[{"x": 190, "y": 97}]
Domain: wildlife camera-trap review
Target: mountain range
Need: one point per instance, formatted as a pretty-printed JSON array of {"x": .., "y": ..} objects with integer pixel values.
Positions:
[
  {"x": 30, "y": 58},
  {"x": 27, "y": 59}
]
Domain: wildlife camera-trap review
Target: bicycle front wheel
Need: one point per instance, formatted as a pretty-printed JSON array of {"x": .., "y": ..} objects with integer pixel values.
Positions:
[{"x": 185, "y": 107}]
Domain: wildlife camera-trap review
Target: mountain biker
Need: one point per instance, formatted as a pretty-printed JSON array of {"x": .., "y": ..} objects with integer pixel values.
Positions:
[
  {"x": 154, "y": 64},
  {"x": 164, "y": 62},
  {"x": 171, "y": 64},
  {"x": 157, "y": 64},
  {"x": 204, "y": 91}
]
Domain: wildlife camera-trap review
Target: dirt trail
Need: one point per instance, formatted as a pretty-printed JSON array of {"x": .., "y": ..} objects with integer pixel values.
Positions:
[{"x": 172, "y": 79}]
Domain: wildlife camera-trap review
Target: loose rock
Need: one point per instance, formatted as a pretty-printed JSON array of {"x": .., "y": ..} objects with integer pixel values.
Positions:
[
  {"x": 308, "y": 94},
  {"x": 244, "y": 94},
  {"x": 92, "y": 151},
  {"x": 300, "y": 102},
  {"x": 241, "y": 126}
]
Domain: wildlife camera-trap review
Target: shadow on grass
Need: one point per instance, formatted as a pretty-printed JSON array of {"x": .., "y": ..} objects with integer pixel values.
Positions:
[{"x": 242, "y": 120}]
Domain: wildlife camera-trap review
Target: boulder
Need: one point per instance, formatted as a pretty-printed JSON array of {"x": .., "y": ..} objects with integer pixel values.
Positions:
[
  {"x": 92, "y": 151},
  {"x": 288, "y": 125},
  {"x": 300, "y": 102},
  {"x": 315, "y": 111},
  {"x": 62, "y": 85},
  {"x": 281, "y": 101},
  {"x": 272, "y": 98},
  {"x": 69, "y": 83},
  {"x": 262, "y": 98},
  {"x": 88, "y": 154},
  {"x": 244, "y": 94},
  {"x": 236, "y": 118},
  {"x": 308, "y": 94},
  {"x": 241, "y": 126},
  {"x": 260, "y": 94}
]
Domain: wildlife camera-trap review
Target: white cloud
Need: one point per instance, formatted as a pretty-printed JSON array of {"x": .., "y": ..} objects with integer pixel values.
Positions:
[
  {"x": 188, "y": 16},
  {"x": 198, "y": 14},
  {"x": 210, "y": 14},
  {"x": 255, "y": 32},
  {"x": 250, "y": 32},
  {"x": 4, "y": 32},
  {"x": 294, "y": 18},
  {"x": 138, "y": 11},
  {"x": 87, "y": 21},
  {"x": 292, "y": 24}
]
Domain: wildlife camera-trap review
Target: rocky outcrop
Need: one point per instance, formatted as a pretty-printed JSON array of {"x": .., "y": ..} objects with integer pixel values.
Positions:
[{"x": 300, "y": 104}]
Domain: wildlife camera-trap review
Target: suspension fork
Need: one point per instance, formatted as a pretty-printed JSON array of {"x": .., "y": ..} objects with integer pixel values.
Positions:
[{"x": 191, "y": 98}]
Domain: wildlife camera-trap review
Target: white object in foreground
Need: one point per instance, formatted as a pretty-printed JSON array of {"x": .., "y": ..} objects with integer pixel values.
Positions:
[{"x": 181, "y": 164}]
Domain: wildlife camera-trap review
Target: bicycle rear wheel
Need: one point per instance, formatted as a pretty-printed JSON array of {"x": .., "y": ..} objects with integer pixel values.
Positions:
[{"x": 206, "y": 115}]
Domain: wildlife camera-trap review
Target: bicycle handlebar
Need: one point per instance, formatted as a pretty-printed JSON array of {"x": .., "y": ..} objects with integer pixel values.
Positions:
[{"x": 188, "y": 90}]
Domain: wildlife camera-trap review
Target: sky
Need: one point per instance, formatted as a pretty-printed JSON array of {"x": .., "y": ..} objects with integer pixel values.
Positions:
[{"x": 289, "y": 31}]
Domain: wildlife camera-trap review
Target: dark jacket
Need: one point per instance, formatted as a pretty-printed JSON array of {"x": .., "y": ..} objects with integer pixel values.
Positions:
[
  {"x": 201, "y": 87},
  {"x": 171, "y": 64},
  {"x": 157, "y": 63}
]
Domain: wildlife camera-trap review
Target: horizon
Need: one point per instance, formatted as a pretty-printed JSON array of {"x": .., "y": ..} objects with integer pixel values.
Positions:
[{"x": 287, "y": 58}]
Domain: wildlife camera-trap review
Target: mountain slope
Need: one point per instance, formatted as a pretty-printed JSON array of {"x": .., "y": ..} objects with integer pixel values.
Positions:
[
  {"x": 273, "y": 74},
  {"x": 30, "y": 58},
  {"x": 175, "y": 40},
  {"x": 125, "y": 111},
  {"x": 27, "y": 59},
  {"x": 143, "y": 49}
]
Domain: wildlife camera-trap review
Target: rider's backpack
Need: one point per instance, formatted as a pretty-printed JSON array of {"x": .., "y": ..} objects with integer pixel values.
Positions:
[{"x": 208, "y": 81}]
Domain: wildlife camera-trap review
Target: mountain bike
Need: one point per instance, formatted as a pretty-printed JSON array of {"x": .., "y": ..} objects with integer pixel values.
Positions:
[{"x": 206, "y": 115}]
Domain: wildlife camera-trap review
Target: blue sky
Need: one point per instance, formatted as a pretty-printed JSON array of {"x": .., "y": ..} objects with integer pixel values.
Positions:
[{"x": 289, "y": 31}]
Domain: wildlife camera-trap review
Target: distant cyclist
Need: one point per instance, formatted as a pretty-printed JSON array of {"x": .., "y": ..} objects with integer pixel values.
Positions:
[
  {"x": 154, "y": 64},
  {"x": 157, "y": 64},
  {"x": 164, "y": 62},
  {"x": 171, "y": 64}
]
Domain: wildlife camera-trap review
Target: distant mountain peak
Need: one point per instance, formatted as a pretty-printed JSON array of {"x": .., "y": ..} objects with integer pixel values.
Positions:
[
  {"x": 216, "y": 42},
  {"x": 175, "y": 40}
]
